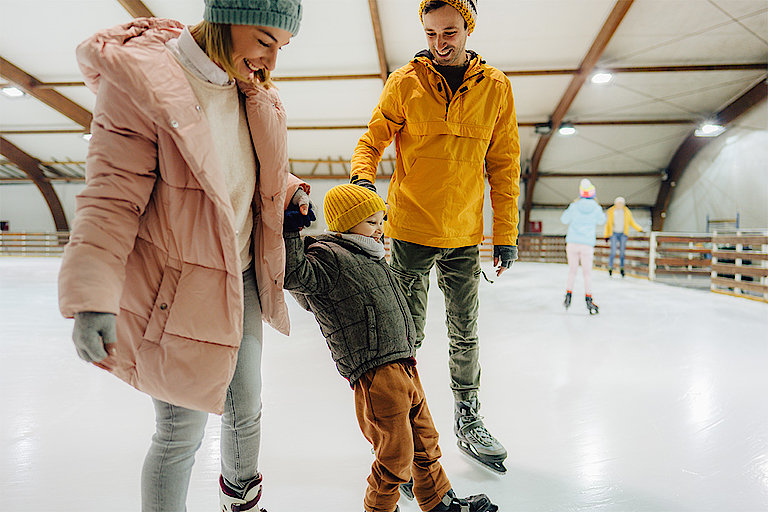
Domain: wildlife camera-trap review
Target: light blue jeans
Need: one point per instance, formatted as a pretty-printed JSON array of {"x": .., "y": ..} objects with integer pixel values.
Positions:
[
  {"x": 617, "y": 240},
  {"x": 179, "y": 431}
]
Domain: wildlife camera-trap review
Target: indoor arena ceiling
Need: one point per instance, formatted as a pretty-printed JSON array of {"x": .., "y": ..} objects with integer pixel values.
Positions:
[{"x": 673, "y": 64}]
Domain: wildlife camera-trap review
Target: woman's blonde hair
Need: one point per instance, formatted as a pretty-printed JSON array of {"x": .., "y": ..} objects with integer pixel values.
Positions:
[{"x": 215, "y": 39}]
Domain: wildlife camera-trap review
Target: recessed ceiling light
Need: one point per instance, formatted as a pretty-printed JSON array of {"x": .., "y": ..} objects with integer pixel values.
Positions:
[
  {"x": 12, "y": 92},
  {"x": 87, "y": 136},
  {"x": 566, "y": 129},
  {"x": 709, "y": 129},
  {"x": 601, "y": 78}
]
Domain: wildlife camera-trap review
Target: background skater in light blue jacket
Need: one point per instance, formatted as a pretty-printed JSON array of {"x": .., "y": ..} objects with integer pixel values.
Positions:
[{"x": 582, "y": 217}]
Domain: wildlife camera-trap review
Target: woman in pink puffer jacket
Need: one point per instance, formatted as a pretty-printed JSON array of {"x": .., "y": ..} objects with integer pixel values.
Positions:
[{"x": 176, "y": 254}]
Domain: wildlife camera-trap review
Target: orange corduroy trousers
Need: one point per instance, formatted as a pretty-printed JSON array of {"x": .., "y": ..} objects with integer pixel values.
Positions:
[{"x": 393, "y": 415}]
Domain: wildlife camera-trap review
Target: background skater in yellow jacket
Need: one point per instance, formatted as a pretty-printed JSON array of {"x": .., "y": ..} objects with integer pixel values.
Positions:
[
  {"x": 619, "y": 219},
  {"x": 453, "y": 121}
]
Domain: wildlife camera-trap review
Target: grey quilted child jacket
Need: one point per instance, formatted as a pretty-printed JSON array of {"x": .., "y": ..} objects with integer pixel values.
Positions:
[{"x": 357, "y": 302}]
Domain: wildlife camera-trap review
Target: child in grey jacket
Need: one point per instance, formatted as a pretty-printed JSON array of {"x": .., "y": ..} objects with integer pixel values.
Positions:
[{"x": 343, "y": 278}]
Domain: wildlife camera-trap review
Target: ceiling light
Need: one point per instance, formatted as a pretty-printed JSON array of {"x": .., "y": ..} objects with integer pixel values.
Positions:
[
  {"x": 709, "y": 129},
  {"x": 566, "y": 129},
  {"x": 87, "y": 136},
  {"x": 601, "y": 78},
  {"x": 12, "y": 92}
]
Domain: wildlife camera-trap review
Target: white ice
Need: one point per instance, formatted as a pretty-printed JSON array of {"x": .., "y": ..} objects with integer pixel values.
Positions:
[{"x": 656, "y": 404}]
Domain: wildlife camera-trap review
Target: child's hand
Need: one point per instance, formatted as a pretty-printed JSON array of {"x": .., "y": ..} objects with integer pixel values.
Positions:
[{"x": 295, "y": 220}]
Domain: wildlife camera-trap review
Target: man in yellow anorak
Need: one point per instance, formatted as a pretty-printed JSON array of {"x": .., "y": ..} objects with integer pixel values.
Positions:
[{"x": 453, "y": 120}]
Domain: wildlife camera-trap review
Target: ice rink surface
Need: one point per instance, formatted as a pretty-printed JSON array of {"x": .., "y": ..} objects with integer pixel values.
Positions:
[{"x": 656, "y": 404}]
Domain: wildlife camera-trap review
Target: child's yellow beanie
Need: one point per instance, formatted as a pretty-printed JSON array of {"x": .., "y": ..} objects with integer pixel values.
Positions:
[{"x": 345, "y": 206}]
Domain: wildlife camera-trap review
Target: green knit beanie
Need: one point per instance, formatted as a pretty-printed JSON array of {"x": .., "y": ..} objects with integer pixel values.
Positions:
[{"x": 284, "y": 14}]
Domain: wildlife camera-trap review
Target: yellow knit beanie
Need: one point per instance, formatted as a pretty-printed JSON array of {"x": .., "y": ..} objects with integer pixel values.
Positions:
[
  {"x": 467, "y": 9},
  {"x": 346, "y": 206}
]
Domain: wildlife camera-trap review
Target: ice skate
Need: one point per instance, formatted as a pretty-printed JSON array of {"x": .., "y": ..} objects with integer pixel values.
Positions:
[
  {"x": 591, "y": 306},
  {"x": 610, "y": 272},
  {"x": 232, "y": 501},
  {"x": 567, "y": 301},
  {"x": 406, "y": 490},
  {"x": 621, "y": 271},
  {"x": 474, "y": 439},
  {"x": 477, "y": 503}
]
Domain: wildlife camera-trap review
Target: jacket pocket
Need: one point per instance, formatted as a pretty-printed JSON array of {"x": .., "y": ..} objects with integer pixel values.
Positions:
[
  {"x": 162, "y": 306},
  {"x": 373, "y": 338}
]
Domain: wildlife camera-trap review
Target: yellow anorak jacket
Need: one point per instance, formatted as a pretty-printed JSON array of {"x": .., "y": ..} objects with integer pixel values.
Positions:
[
  {"x": 628, "y": 221},
  {"x": 446, "y": 144}
]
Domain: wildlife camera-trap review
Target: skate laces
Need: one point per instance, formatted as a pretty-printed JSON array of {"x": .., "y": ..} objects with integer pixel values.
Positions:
[{"x": 476, "y": 428}]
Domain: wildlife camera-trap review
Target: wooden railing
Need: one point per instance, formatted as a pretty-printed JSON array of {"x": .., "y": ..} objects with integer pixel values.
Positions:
[
  {"x": 679, "y": 255},
  {"x": 740, "y": 264},
  {"x": 33, "y": 244},
  {"x": 734, "y": 263}
]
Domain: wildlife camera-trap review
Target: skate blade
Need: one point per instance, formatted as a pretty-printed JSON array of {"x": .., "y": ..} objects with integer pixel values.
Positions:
[{"x": 495, "y": 466}]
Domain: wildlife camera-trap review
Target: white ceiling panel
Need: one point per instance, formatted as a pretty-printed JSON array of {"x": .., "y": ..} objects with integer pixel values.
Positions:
[
  {"x": 658, "y": 32},
  {"x": 60, "y": 147},
  {"x": 536, "y": 96},
  {"x": 40, "y": 36},
  {"x": 604, "y": 148},
  {"x": 332, "y": 102},
  {"x": 26, "y": 112},
  {"x": 660, "y": 95}
]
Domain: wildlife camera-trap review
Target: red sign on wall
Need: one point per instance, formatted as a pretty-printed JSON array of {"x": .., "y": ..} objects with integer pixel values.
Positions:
[{"x": 534, "y": 226}]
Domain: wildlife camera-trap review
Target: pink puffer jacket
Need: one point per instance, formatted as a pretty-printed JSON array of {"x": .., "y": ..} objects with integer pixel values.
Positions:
[{"x": 153, "y": 240}]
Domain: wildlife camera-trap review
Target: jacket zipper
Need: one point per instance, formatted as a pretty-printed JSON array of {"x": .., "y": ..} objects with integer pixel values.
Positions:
[
  {"x": 396, "y": 287},
  {"x": 458, "y": 91}
]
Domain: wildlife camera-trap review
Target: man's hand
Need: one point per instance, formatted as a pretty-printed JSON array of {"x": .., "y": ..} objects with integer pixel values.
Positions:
[
  {"x": 94, "y": 335},
  {"x": 503, "y": 256}
]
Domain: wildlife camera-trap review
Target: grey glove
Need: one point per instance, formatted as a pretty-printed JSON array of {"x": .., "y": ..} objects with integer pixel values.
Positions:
[
  {"x": 91, "y": 333},
  {"x": 506, "y": 254}
]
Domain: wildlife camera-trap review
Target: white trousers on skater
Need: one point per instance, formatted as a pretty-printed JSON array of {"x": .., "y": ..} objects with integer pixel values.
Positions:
[{"x": 584, "y": 254}]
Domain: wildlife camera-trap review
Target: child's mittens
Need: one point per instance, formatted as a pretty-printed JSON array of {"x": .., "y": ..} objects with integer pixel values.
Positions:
[{"x": 294, "y": 220}]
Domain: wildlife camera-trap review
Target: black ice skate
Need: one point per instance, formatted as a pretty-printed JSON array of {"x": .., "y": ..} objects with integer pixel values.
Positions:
[
  {"x": 610, "y": 272},
  {"x": 477, "y": 503},
  {"x": 406, "y": 490},
  {"x": 621, "y": 270},
  {"x": 474, "y": 439},
  {"x": 591, "y": 306},
  {"x": 567, "y": 301}
]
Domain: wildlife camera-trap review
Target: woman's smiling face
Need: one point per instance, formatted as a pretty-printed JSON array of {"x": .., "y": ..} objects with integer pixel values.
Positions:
[{"x": 255, "y": 48}]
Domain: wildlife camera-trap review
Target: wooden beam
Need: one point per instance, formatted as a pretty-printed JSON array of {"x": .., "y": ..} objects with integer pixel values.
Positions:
[
  {"x": 558, "y": 206},
  {"x": 331, "y": 127},
  {"x": 31, "y": 166},
  {"x": 324, "y": 78},
  {"x": 53, "y": 99},
  {"x": 378, "y": 35},
  {"x": 529, "y": 124},
  {"x": 753, "y": 66},
  {"x": 136, "y": 8},
  {"x": 589, "y": 62},
  {"x": 692, "y": 144},
  {"x": 42, "y": 132},
  {"x": 642, "y": 174}
]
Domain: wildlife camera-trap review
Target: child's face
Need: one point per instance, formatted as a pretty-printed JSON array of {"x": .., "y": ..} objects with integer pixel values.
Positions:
[{"x": 373, "y": 226}]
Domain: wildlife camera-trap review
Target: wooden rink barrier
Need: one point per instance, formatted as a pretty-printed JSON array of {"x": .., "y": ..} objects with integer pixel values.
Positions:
[
  {"x": 734, "y": 263},
  {"x": 33, "y": 244}
]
